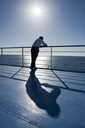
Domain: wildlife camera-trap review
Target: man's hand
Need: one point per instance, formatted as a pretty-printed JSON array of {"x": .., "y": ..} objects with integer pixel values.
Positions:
[
  {"x": 46, "y": 45},
  {"x": 43, "y": 46}
]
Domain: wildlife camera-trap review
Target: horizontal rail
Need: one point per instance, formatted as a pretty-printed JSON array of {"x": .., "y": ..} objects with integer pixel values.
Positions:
[
  {"x": 44, "y": 47},
  {"x": 10, "y": 57}
]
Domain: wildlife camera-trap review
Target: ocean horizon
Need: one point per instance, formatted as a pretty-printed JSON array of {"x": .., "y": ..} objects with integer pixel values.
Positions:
[{"x": 68, "y": 63}]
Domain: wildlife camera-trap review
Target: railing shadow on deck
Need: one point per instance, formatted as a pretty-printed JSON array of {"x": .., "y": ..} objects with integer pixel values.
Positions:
[{"x": 53, "y": 86}]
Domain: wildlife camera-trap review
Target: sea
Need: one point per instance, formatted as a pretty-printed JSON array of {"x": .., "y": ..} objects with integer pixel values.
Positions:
[{"x": 66, "y": 63}]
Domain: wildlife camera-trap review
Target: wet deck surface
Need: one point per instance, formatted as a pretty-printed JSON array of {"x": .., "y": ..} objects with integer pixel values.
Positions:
[{"x": 44, "y": 99}]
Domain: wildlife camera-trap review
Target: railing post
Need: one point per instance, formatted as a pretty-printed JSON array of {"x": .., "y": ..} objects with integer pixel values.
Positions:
[
  {"x": 22, "y": 57},
  {"x": 2, "y": 55},
  {"x": 51, "y": 57}
]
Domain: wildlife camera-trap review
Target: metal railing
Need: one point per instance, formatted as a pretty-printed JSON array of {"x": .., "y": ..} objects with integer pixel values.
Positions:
[{"x": 65, "y": 57}]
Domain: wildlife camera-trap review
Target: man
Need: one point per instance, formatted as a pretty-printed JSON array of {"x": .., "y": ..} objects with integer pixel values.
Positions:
[{"x": 35, "y": 50}]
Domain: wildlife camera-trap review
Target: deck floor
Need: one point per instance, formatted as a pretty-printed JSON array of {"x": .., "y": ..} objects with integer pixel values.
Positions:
[{"x": 41, "y": 99}]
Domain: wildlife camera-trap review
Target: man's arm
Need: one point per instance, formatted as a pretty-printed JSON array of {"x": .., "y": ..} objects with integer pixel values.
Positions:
[{"x": 43, "y": 44}]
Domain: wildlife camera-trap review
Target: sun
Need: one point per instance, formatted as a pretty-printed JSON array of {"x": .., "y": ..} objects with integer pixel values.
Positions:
[{"x": 37, "y": 11}]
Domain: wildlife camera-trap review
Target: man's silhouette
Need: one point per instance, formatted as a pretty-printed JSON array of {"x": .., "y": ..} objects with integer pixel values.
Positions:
[{"x": 35, "y": 50}]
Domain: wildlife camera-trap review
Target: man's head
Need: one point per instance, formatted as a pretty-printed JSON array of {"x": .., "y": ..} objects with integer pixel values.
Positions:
[{"x": 41, "y": 37}]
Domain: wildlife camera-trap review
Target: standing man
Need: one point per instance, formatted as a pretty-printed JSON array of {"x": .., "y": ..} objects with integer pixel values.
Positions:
[{"x": 35, "y": 50}]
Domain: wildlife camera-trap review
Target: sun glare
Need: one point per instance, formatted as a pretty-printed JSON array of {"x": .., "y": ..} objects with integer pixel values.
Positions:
[{"x": 37, "y": 11}]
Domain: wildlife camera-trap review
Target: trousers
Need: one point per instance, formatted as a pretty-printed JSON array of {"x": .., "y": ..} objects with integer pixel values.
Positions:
[{"x": 34, "y": 54}]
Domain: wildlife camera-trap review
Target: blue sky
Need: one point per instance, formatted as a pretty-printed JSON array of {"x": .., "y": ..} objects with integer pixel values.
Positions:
[{"x": 61, "y": 22}]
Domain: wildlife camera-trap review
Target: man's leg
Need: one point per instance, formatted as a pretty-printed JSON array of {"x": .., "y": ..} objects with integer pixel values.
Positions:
[{"x": 34, "y": 55}]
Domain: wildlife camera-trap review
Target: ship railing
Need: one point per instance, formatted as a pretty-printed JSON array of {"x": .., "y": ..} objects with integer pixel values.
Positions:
[{"x": 63, "y": 57}]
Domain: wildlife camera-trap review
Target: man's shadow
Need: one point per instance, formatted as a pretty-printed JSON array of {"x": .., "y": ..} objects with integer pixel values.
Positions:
[{"x": 41, "y": 97}]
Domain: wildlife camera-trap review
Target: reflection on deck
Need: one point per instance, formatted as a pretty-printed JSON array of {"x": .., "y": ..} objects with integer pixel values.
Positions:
[{"x": 43, "y": 99}]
